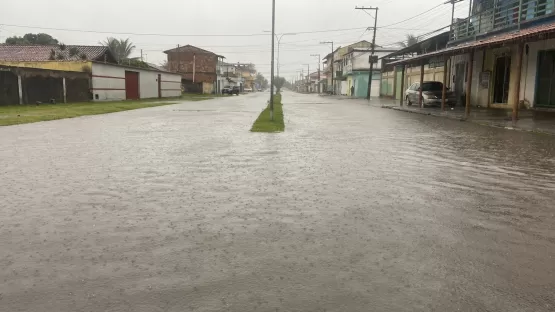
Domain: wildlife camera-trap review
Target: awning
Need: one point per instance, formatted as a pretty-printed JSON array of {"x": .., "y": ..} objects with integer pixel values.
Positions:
[{"x": 467, "y": 46}]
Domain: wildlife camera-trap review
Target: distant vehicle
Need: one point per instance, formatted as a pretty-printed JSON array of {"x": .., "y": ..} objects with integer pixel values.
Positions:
[
  {"x": 248, "y": 89},
  {"x": 230, "y": 90},
  {"x": 432, "y": 93}
]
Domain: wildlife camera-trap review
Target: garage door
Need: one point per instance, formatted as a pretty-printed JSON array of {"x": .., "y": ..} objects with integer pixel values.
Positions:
[{"x": 131, "y": 85}]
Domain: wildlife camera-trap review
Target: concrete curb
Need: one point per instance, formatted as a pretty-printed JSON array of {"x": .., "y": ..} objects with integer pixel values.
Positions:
[{"x": 487, "y": 124}]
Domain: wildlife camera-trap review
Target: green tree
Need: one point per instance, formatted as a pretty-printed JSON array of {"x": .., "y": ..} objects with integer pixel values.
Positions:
[
  {"x": 41, "y": 39},
  {"x": 120, "y": 48},
  {"x": 410, "y": 41},
  {"x": 279, "y": 82},
  {"x": 261, "y": 81}
]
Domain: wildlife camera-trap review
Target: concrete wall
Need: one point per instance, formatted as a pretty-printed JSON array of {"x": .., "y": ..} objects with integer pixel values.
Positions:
[
  {"x": 75, "y": 66},
  {"x": 171, "y": 85},
  {"x": 412, "y": 74},
  {"x": 108, "y": 83},
  {"x": 388, "y": 84},
  {"x": 359, "y": 60},
  {"x": 390, "y": 81},
  {"x": 207, "y": 87},
  {"x": 343, "y": 87}
]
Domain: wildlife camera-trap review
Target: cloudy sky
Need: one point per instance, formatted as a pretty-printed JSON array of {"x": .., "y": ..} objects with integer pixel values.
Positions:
[{"x": 235, "y": 29}]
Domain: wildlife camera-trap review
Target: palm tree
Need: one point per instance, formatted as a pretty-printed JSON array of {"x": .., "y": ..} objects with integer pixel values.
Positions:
[
  {"x": 411, "y": 40},
  {"x": 120, "y": 48}
]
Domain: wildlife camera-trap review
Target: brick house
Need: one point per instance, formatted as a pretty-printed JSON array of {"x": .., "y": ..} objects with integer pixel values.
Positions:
[{"x": 198, "y": 68}]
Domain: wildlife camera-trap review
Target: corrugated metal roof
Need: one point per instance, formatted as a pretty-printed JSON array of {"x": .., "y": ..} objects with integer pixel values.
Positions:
[
  {"x": 38, "y": 53},
  {"x": 503, "y": 38}
]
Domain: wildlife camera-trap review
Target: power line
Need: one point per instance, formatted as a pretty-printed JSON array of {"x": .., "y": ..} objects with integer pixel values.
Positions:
[
  {"x": 183, "y": 35},
  {"x": 414, "y": 16},
  {"x": 173, "y": 35}
]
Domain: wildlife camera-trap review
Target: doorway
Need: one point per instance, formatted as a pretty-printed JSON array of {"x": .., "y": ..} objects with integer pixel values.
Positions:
[
  {"x": 545, "y": 87},
  {"x": 501, "y": 80},
  {"x": 131, "y": 85},
  {"x": 458, "y": 81}
]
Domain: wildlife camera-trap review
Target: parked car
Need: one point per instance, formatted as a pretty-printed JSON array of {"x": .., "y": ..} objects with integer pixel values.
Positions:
[
  {"x": 230, "y": 90},
  {"x": 432, "y": 93},
  {"x": 248, "y": 89}
]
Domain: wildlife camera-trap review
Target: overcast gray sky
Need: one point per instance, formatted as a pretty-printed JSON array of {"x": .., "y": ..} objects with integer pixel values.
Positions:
[{"x": 215, "y": 24}]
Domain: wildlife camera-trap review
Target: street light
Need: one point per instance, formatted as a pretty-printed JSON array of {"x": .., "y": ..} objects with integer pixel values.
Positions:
[{"x": 279, "y": 37}]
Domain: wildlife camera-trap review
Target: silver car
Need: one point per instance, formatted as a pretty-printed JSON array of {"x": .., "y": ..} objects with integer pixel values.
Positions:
[{"x": 432, "y": 92}]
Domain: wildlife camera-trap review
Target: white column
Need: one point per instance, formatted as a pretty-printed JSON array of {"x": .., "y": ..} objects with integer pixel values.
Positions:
[
  {"x": 65, "y": 89},
  {"x": 20, "y": 89}
]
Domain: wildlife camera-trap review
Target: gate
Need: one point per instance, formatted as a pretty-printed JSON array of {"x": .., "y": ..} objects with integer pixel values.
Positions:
[{"x": 131, "y": 85}]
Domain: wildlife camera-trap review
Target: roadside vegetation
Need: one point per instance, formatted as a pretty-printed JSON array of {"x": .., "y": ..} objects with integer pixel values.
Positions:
[
  {"x": 265, "y": 124},
  {"x": 21, "y": 114}
]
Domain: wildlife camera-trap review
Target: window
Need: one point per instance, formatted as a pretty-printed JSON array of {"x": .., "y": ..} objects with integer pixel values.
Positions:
[{"x": 432, "y": 86}]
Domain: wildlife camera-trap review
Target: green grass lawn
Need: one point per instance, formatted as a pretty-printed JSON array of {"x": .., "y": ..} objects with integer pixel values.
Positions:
[
  {"x": 265, "y": 124},
  {"x": 20, "y": 114}
]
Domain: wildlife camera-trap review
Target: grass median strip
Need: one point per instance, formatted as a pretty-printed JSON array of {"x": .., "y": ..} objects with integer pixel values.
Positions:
[
  {"x": 264, "y": 124},
  {"x": 20, "y": 114}
]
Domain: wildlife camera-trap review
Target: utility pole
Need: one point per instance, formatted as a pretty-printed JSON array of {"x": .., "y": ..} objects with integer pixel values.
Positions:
[
  {"x": 308, "y": 79},
  {"x": 178, "y": 60},
  {"x": 332, "y": 61},
  {"x": 453, "y": 2},
  {"x": 318, "y": 56},
  {"x": 371, "y": 59},
  {"x": 142, "y": 60},
  {"x": 272, "y": 70}
]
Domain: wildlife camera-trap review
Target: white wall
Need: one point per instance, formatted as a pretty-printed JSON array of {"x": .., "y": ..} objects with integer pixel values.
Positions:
[
  {"x": 344, "y": 88},
  {"x": 171, "y": 85},
  {"x": 148, "y": 84},
  {"x": 360, "y": 60},
  {"x": 108, "y": 82}
]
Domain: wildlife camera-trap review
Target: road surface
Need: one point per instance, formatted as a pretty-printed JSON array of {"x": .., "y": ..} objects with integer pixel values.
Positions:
[{"x": 353, "y": 208}]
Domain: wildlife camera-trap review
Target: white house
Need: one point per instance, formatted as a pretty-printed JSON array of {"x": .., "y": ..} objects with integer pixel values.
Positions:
[{"x": 111, "y": 82}]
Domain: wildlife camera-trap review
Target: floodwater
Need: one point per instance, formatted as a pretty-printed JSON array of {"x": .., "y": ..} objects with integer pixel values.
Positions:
[{"x": 353, "y": 208}]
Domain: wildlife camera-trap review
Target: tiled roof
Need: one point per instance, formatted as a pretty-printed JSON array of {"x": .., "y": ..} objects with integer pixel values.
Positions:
[
  {"x": 192, "y": 49},
  {"x": 503, "y": 38},
  {"x": 37, "y": 53}
]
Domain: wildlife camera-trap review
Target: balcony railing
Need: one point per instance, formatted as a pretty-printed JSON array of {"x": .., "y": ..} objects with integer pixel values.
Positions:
[
  {"x": 348, "y": 69},
  {"x": 506, "y": 14}
]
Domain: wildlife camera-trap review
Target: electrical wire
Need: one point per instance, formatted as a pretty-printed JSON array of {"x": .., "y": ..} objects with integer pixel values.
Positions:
[{"x": 414, "y": 16}]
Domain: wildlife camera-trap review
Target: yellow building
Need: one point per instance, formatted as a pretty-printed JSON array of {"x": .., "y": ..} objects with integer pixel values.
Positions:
[{"x": 248, "y": 74}]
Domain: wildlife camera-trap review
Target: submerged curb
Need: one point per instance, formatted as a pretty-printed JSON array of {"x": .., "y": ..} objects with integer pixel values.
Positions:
[{"x": 493, "y": 125}]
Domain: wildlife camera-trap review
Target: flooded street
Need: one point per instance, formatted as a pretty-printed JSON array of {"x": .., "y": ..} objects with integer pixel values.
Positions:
[{"x": 352, "y": 208}]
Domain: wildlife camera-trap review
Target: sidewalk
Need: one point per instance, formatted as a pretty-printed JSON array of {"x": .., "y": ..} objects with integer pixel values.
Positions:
[{"x": 529, "y": 120}]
